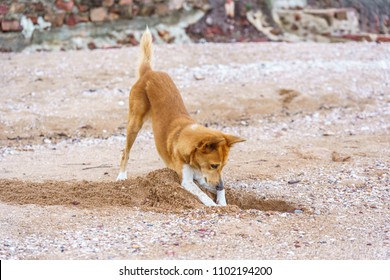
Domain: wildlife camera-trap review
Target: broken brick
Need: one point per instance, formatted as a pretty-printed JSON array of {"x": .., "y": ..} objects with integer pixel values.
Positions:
[{"x": 11, "y": 25}]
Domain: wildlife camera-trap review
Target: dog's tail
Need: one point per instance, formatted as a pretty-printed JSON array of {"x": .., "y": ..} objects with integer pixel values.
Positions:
[{"x": 145, "y": 61}]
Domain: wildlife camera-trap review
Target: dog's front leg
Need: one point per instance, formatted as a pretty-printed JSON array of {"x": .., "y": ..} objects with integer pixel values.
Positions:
[
  {"x": 221, "y": 198},
  {"x": 187, "y": 182},
  {"x": 219, "y": 190}
]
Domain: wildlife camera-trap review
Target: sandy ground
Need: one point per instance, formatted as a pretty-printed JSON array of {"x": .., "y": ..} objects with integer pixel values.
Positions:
[{"x": 311, "y": 182}]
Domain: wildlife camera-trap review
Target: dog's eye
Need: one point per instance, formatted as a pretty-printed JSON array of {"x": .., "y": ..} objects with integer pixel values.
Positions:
[{"x": 214, "y": 166}]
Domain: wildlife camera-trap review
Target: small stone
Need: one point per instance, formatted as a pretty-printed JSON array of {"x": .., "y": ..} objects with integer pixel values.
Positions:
[
  {"x": 198, "y": 77},
  {"x": 244, "y": 123},
  {"x": 291, "y": 182},
  {"x": 298, "y": 211},
  {"x": 91, "y": 46},
  {"x": 46, "y": 141},
  {"x": 209, "y": 21},
  {"x": 328, "y": 133}
]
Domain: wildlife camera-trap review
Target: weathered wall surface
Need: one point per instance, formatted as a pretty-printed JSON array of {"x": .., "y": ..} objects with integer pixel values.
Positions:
[
  {"x": 374, "y": 14},
  {"x": 23, "y": 23},
  {"x": 77, "y": 24}
]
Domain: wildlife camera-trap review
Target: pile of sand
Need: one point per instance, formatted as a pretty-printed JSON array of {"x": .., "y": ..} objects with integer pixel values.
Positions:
[{"x": 159, "y": 190}]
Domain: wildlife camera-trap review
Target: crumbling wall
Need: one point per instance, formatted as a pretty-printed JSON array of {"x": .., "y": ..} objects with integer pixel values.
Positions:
[
  {"x": 23, "y": 22},
  {"x": 74, "y": 24},
  {"x": 374, "y": 15}
]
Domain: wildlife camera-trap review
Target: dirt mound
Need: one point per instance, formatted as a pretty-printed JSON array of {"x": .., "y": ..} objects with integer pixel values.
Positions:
[{"x": 159, "y": 190}]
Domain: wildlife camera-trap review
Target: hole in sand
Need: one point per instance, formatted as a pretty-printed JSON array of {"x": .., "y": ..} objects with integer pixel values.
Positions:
[{"x": 160, "y": 190}]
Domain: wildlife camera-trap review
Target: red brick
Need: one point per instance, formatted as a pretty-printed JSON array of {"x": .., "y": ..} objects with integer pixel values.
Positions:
[
  {"x": 65, "y": 5},
  {"x": 358, "y": 37},
  {"x": 3, "y": 9},
  {"x": 11, "y": 25},
  {"x": 383, "y": 38}
]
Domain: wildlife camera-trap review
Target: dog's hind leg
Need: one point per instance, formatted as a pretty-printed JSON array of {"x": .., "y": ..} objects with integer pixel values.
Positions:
[{"x": 138, "y": 113}]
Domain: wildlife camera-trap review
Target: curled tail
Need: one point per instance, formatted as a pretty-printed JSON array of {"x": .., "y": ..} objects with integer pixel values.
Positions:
[{"x": 145, "y": 60}]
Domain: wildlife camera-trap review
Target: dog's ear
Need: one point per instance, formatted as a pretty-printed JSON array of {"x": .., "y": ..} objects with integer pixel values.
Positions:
[
  {"x": 232, "y": 139},
  {"x": 209, "y": 144}
]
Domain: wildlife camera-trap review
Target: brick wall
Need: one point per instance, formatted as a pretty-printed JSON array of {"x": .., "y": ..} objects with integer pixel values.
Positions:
[{"x": 72, "y": 12}]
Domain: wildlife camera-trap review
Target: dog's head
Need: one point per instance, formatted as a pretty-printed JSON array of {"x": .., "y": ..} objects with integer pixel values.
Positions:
[{"x": 210, "y": 156}]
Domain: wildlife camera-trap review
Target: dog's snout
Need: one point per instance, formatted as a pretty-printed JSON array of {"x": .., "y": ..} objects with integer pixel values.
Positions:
[{"x": 220, "y": 185}]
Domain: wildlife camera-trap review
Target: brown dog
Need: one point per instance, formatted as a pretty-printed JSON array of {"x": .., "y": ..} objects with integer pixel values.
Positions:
[{"x": 192, "y": 150}]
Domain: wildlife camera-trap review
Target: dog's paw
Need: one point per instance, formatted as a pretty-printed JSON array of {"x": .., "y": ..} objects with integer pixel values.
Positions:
[
  {"x": 219, "y": 203},
  {"x": 122, "y": 176},
  {"x": 209, "y": 203}
]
